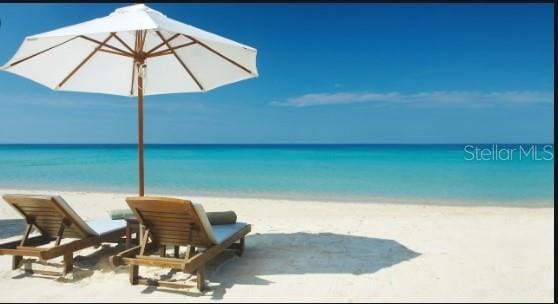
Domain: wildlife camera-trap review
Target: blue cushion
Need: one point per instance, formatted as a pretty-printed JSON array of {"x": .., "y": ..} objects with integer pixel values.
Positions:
[{"x": 223, "y": 232}]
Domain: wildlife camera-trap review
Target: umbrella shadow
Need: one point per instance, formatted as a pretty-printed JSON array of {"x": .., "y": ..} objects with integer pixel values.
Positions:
[{"x": 299, "y": 253}]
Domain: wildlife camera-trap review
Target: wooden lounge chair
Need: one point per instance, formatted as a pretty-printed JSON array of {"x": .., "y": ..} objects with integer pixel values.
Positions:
[
  {"x": 56, "y": 222},
  {"x": 176, "y": 222}
]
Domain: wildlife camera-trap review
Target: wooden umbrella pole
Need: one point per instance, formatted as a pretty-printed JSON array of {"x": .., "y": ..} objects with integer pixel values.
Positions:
[
  {"x": 139, "y": 60},
  {"x": 140, "y": 132}
]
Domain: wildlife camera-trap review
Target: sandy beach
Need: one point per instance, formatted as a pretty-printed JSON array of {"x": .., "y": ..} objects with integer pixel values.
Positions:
[{"x": 325, "y": 251}]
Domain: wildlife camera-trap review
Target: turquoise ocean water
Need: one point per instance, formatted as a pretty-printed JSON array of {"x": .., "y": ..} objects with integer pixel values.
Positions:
[{"x": 337, "y": 172}]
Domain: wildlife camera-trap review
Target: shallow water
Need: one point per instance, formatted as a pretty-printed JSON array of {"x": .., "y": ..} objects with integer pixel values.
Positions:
[{"x": 352, "y": 172}]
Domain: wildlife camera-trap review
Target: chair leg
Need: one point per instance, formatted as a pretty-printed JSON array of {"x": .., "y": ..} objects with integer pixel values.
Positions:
[
  {"x": 200, "y": 280},
  {"x": 176, "y": 251},
  {"x": 163, "y": 250},
  {"x": 134, "y": 274},
  {"x": 128, "y": 237},
  {"x": 241, "y": 247},
  {"x": 190, "y": 251},
  {"x": 68, "y": 262},
  {"x": 16, "y": 261}
]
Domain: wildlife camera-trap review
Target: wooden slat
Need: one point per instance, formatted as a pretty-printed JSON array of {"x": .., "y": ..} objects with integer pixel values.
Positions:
[
  {"x": 169, "y": 234},
  {"x": 116, "y": 260},
  {"x": 44, "y": 272},
  {"x": 169, "y": 227},
  {"x": 183, "y": 226},
  {"x": 170, "y": 222},
  {"x": 35, "y": 213},
  {"x": 155, "y": 261},
  {"x": 40, "y": 207},
  {"x": 43, "y": 206},
  {"x": 168, "y": 219},
  {"x": 159, "y": 283},
  {"x": 49, "y": 227},
  {"x": 173, "y": 241},
  {"x": 164, "y": 213},
  {"x": 51, "y": 216},
  {"x": 148, "y": 205},
  {"x": 20, "y": 252},
  {"x": 182, "y": 241},
  {"x": 48, "y": 218},
  {"x": 47, "y": 224},
  {"x": 40, "y": 212}
]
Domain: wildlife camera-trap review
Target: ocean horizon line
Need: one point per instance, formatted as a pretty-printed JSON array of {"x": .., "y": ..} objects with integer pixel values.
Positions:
[{"x": 277, "y": 144}]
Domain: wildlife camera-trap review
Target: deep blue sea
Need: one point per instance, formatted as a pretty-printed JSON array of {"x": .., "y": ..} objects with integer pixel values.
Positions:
[{"x": 335, "y": 172}]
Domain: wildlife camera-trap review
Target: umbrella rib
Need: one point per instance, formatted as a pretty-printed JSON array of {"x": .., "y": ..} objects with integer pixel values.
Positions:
[
  {"x": 220, "y": 55},
  {"x": 84, "y": 61},
  {"x": 162, "y": 43},
  {"x": 41, "y": 52},
  {"x": 133, "y": 68},
  {"x": 143, "y": 40},
  {"x": 181, "y": 62},
  {"x": 116, "y": 53},
  {"x": 133, "y": 77},
  {"x": 106, "y": 45},
  {"x": 168, "y": 51},
  {"x": 123, "y": 43}
]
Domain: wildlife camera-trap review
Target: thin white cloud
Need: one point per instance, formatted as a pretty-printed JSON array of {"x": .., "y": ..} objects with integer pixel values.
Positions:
[
  {"x": 100, "y": 102},
  {"x": 462, "y": 98}
]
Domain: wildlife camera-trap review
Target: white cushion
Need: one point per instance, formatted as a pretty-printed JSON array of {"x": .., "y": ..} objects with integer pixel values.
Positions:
[
  {"x": 64, "y": 205},
  {"x": 216, "y": 233},
  {"x": 223, "y": 232},
  {"x": 101, "y": 226},
  {"x": 205, "y": 222}
]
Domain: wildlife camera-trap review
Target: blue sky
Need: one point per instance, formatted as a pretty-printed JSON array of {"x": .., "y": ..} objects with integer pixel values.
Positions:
[{"x": 329, "y": 73}]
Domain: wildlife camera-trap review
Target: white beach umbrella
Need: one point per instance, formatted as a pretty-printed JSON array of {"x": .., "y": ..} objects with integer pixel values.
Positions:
[{"x": 134, "y": 51}]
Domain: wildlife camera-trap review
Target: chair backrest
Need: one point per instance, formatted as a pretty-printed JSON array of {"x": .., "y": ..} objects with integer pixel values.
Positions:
[
  {"x": 47, "y": 213},
  {"x": 173, "y": 221}
]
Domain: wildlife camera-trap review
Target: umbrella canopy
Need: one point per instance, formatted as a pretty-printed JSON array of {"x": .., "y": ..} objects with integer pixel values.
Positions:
[
  {"x": 99, "y": 56},
  {"x": 134, "y": 51}
]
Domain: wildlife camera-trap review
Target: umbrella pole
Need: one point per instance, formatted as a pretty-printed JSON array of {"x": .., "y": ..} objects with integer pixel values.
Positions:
[{"x": 140, "y": 133}]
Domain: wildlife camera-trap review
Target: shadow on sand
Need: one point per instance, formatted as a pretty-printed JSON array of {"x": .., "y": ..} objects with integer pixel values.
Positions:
[
  {"x": 10, "y": 228},
  {"x": 299, "y": 253},
  {"x": 265, "y": 254}
]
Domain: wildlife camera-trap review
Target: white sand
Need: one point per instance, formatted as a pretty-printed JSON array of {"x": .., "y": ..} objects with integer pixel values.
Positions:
[{"x": 327, "y": 251}]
